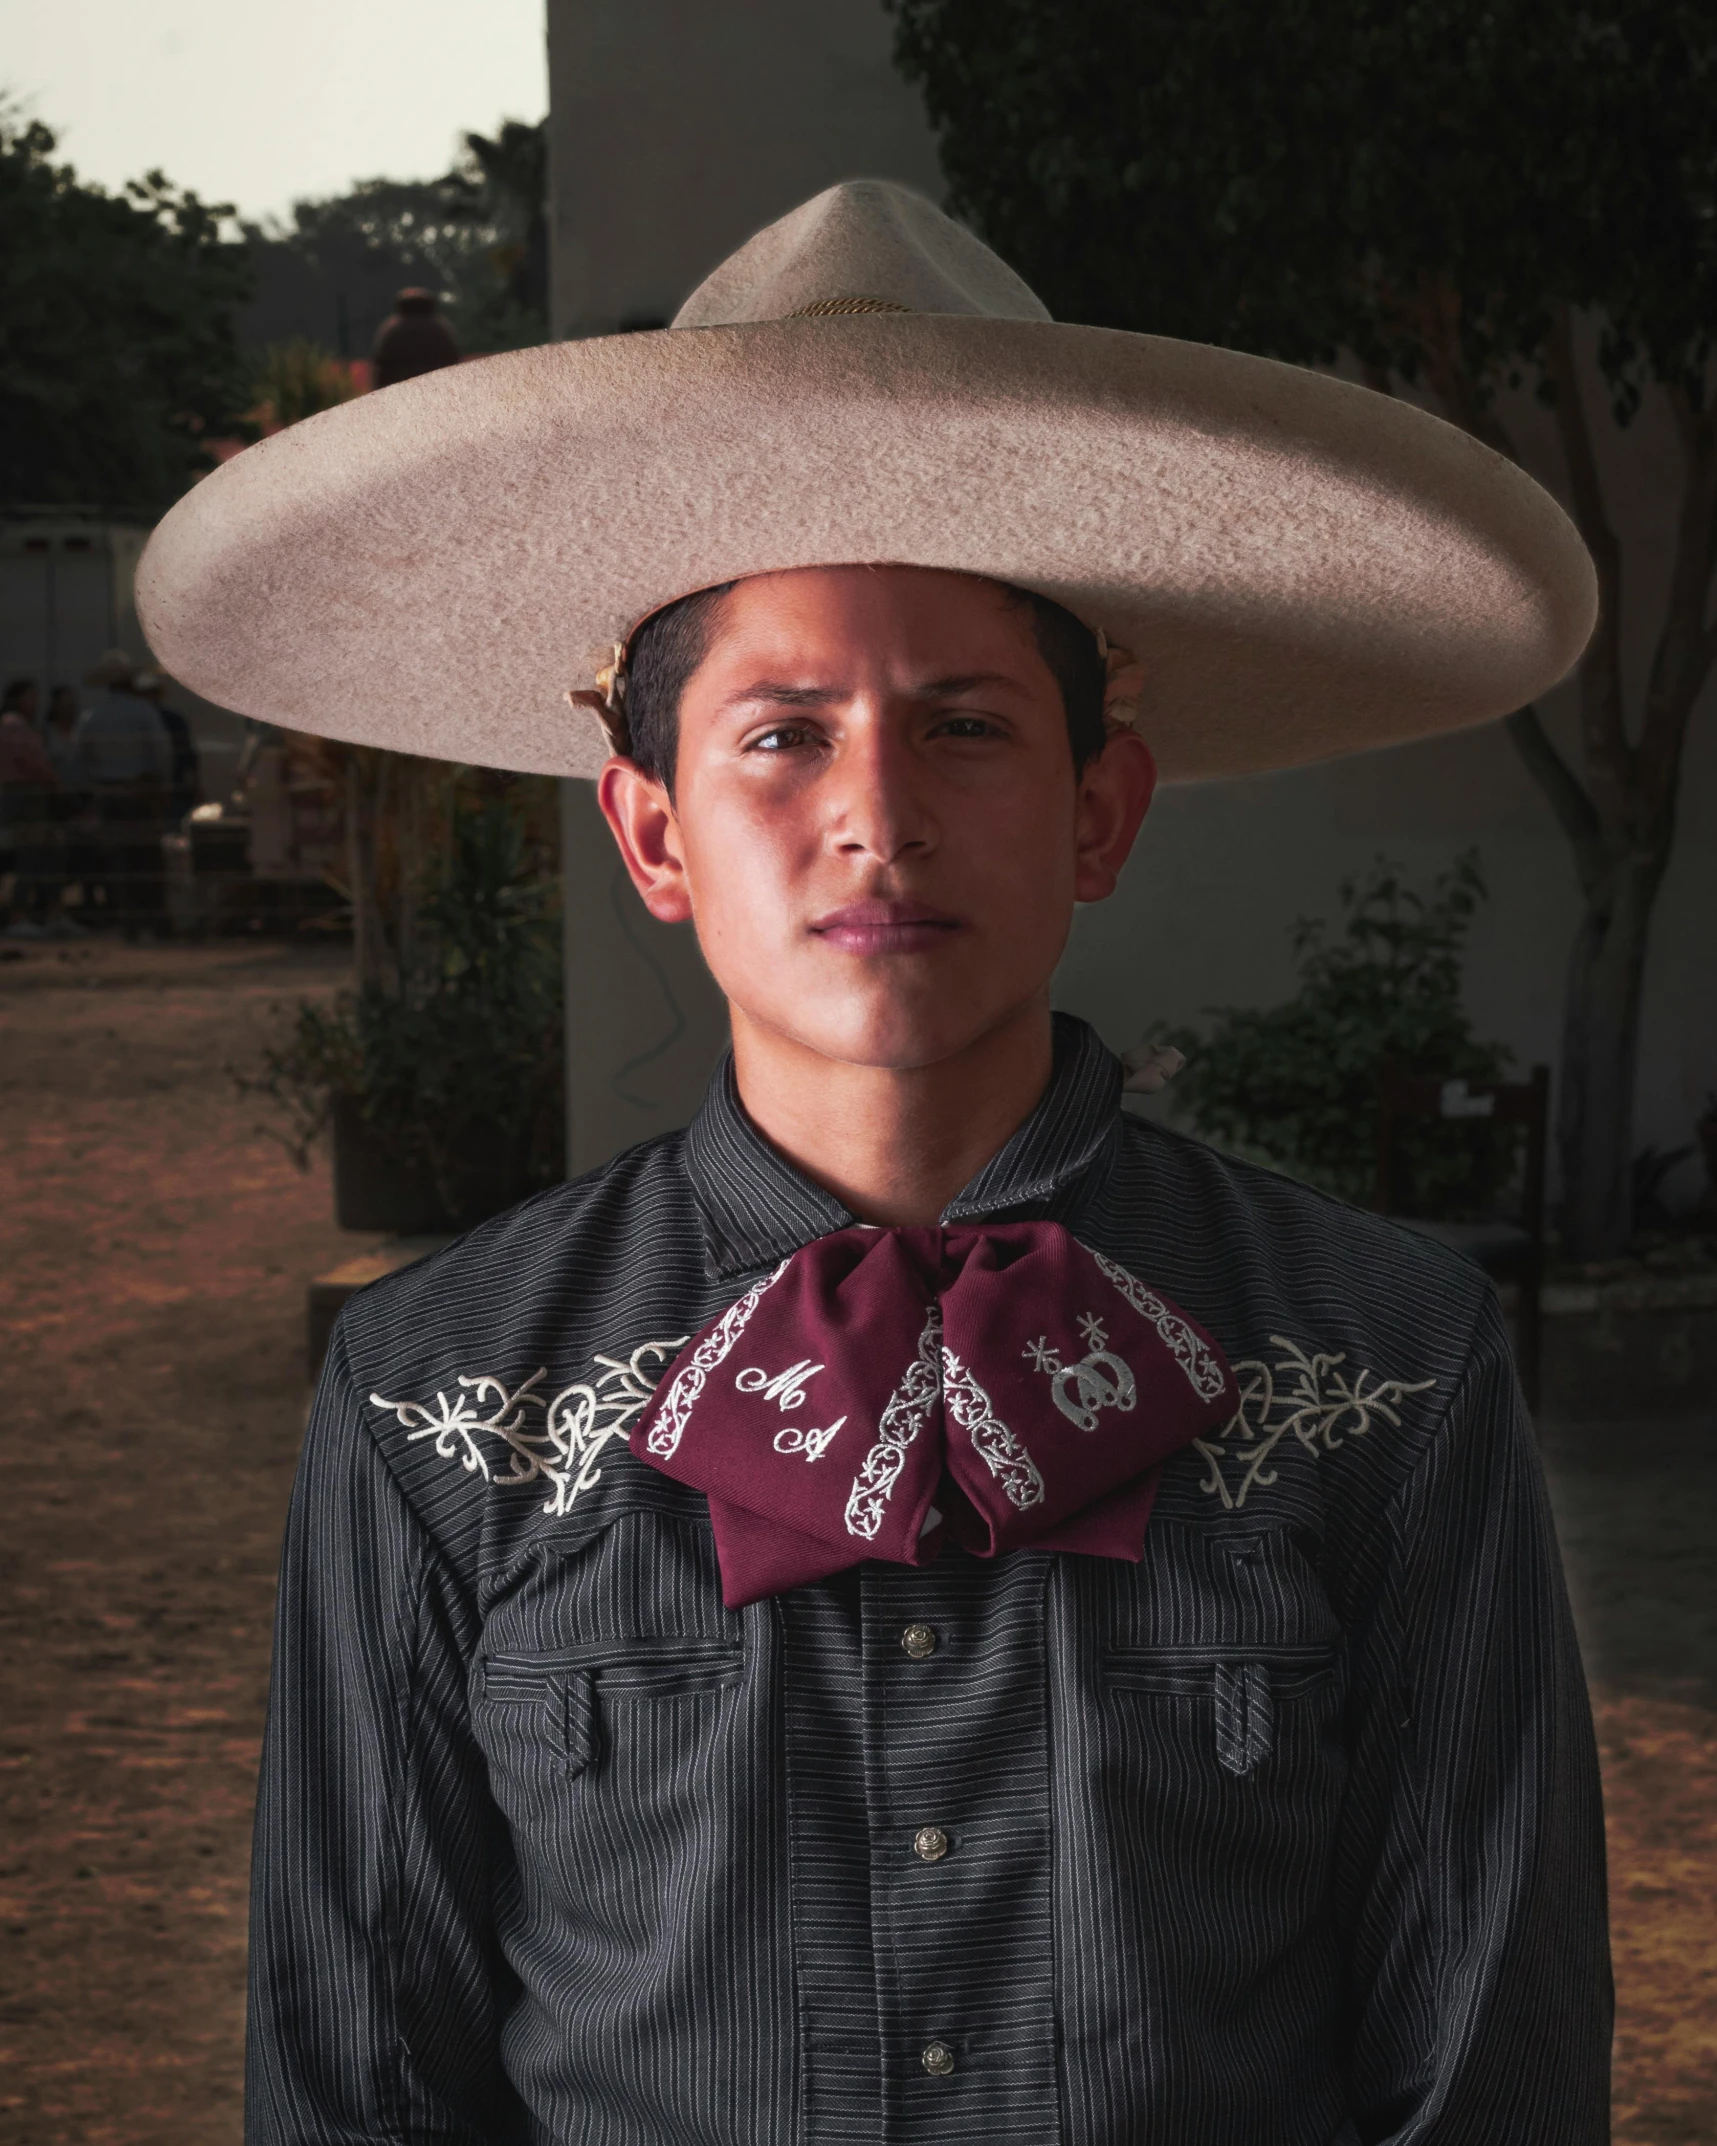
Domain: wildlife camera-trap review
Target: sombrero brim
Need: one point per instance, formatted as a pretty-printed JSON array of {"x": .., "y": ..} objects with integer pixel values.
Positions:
[{"x": 1304, "y": 567}]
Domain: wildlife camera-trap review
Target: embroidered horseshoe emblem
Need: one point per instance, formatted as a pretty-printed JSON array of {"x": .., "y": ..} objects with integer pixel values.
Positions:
[{"x": 1100, "y": 1380}]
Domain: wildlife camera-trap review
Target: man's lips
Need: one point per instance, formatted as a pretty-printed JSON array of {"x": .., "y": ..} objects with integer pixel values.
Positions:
[{"x": 886, "y": 927}]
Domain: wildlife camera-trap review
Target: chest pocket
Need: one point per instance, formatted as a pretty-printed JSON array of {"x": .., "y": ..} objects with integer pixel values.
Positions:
[
  {"x": 1234, "y": 1698},
  {"x": 552, "y": 1717}
]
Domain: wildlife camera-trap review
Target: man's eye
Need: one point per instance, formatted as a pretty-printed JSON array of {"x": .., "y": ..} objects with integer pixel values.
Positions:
[
  {"x": 781, "y": 739},
  {"x": 965, "y": 726}
]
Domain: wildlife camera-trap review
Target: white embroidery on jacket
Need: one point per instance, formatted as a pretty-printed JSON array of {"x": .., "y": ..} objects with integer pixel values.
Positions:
[
  {"x": 1203, "y": 1368},
  {"x": 524, "y": 1436},
  {"x": 1310, "y": 1396},
  {"x": 901, "y": 1421},
  {"x": 996, "y": 1446},
  {"x": 670, "y": 1424}
]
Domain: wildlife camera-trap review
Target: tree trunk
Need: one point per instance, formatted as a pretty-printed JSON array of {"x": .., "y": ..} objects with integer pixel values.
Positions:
[
  {"x": 1600, "y": 1050},
  {"x": 1620, "y": 819},
  {"x": 366, "y": 775}
]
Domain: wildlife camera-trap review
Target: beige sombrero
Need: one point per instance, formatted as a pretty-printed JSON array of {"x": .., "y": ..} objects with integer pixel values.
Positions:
[{"x": 1302, "y": 567}]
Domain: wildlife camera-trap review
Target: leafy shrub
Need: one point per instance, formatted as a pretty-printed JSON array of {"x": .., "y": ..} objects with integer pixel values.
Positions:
[
  {"x": 1297, "y": 1085},
  {"x": 464, "y": 1059}
]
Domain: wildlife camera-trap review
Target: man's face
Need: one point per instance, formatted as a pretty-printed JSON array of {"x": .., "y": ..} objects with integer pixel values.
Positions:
[{"x": 876, "y": 825}]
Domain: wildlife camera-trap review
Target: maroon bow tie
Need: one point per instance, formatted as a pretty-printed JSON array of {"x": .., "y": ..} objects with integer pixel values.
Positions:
[{"x": 885, "y": 1391}]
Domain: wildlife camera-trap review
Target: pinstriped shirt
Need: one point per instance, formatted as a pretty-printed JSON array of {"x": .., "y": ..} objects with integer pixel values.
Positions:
[{"x": 1289, "y": 1835}]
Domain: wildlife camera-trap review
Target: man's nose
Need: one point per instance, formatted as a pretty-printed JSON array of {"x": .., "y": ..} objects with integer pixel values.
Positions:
[{"x": 878, "y": 794}]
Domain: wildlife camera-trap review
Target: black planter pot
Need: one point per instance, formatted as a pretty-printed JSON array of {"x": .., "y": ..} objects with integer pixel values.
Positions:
[{"x": 374, "y": 1190}]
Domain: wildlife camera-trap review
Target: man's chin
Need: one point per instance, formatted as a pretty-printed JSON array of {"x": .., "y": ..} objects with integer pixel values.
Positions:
[{"x": 888, "y": 1039}]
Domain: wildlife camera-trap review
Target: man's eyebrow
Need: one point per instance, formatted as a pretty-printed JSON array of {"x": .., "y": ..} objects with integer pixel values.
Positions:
[
  {"x": 780, "y": 696},
  {"x": 960, "y": 682},
  {"x": 776, "y": 695}
]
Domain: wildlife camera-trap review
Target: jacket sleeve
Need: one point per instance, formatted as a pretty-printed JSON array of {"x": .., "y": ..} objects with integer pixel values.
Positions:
[
  {"x": 1473, "y": 1875},
  {"x": 377, "y": 1989}
]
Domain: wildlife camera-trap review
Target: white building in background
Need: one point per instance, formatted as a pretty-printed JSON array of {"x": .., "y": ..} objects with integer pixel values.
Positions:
[
  {"x": 65, "y": 593},
  {"x": 679, "y": 128},
  {"x": 66, "y": 578}
]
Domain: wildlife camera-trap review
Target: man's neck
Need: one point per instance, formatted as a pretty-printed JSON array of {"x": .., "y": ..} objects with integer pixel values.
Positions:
[{"x": 894, "y": 1147}]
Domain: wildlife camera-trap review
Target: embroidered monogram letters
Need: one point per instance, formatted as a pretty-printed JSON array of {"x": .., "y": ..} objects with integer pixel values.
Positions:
[
  {"x": 811, "y": 1443},
  {"x": 787, "y": 1390}
]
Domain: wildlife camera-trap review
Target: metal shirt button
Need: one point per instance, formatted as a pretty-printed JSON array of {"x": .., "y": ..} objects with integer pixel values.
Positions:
[
  {"x": 920, "y": 1642},
  {"x": 938, "y": 2059},
  {"x": 930, "y": 1844}
]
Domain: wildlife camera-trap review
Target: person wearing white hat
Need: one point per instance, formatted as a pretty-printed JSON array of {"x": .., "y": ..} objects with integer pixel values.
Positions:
[{"x": 921, "y": 1606}]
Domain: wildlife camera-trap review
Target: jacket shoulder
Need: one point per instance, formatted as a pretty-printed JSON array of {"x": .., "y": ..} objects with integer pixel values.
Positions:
[
  {"x": 573, "y": 1268},
  {"x": 1282, "y": 1244},
  {"x": 1350, "y": 1335}
]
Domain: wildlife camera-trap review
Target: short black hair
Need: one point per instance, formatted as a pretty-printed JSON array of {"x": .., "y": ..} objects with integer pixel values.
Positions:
[
  {"x": 669, "y": 646},
  {"x": 665, "y": 651},
  {"x": 16, "y": 688}
]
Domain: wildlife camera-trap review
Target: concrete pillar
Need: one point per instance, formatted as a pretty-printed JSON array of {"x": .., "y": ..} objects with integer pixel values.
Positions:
[{"x": 645, "y": 1023}]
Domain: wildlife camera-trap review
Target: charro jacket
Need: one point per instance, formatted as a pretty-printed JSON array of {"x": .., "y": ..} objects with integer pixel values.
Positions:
[{"x": 1289, "y": 1834}]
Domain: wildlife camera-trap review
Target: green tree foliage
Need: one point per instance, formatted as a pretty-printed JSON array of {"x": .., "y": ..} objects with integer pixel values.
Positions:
[
  {"x": 119, "y": 356},
  {"x": 508, "y": 173},
  {"x": 477, "y": 236},
  {"x": 1445, "y": 190},
  {"x": 1297, "y": 1085}
]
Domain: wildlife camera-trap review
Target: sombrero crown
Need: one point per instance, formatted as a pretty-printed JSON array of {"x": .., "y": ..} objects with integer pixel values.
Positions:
[{"x": 1303, "y": 566}]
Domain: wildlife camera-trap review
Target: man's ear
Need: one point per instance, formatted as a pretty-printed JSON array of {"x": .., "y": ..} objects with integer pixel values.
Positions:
[
  {"x": 1115, "y": 793},
  {"x": 641, "y": 815}
]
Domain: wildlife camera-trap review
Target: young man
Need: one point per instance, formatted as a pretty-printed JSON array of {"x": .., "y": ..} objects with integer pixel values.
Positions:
[{"x": 920, "y": 1607}]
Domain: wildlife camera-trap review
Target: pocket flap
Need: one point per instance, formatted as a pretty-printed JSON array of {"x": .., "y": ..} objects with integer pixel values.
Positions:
[
  {"x": 1245, "y": 1714},
  {"x": 555, "y": 1713}
]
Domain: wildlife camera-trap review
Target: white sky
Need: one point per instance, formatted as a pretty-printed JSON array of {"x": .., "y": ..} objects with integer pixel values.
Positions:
[{"x": 263, "y": 104}]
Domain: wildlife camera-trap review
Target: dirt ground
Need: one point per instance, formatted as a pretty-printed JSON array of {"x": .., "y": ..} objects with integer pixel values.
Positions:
[{"x": 154, "y": 1250}]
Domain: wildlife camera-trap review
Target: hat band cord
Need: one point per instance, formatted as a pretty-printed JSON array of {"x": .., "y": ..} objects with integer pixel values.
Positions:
[{"x": 826, "y": 308}]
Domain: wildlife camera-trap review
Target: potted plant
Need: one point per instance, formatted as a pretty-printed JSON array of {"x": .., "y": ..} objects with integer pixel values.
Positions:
[
  {"x": 1296, "y": 1085},
  {"x": 439, "y": 1076}
]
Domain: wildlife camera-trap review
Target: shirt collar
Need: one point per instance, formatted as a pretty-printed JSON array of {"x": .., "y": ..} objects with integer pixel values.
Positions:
[{"x": 757, "y": 1208}]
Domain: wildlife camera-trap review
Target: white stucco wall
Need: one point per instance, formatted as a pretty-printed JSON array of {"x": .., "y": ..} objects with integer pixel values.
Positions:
[{"x": 678, "y": 130}]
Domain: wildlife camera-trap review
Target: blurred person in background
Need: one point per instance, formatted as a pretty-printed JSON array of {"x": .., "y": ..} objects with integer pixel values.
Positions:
[
  {"x": 184, "y": 781},
  {"x": 29, "y": 840},
  {"x": 62, "y": 737},
  {"x": 128, "y": 764},
  {"x": 79, "y": 859},
  {"x": 21, "y": 700},
  {"x": 413, "y": 339}
]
